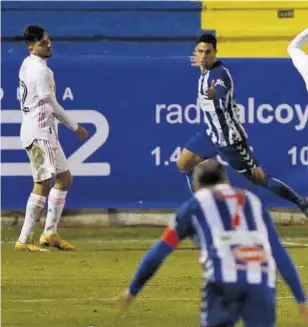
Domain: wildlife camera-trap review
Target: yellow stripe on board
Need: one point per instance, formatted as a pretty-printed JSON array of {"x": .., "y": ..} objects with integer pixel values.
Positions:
[{"x": 254, "y": 28}]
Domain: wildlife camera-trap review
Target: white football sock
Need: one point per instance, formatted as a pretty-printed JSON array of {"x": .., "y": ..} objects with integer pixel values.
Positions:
[
  {"x": 56, "y": 202},
  {"x": 35, "y": 207}
]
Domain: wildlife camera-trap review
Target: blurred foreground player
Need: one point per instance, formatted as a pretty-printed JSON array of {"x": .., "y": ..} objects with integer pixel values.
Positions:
[
  {"x": 298, "y": 56},
  {"x": 239, "y": 253},
  {"x": 51, "y": 175},
  {"x": 224, "y": 134}
]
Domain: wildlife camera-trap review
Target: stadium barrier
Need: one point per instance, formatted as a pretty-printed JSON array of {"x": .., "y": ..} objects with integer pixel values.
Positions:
[{"x": 140, "y": 112}]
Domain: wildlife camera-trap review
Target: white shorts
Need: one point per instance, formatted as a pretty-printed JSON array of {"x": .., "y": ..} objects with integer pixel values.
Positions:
[{"x": 46, "y": 160}]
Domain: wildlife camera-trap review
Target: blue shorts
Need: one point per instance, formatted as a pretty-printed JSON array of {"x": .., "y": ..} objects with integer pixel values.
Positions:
[
  {"x": 239, "y": 155},
  {"x": 226, "y": 304}
]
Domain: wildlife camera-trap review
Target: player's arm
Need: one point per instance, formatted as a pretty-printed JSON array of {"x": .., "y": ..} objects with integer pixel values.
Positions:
[
  {"x": 299, "y": 57},
  {"x": 169, "y": 240},
  {"x": 298, "y": 43},
  {"x": 219, "y": 85},
  {"x": 149, "y": 265},
  {"x": 173, "y": 234},
  {"x": 46, "y": 94},
  {"x": 283, "y": 261},
  {"x": 61, "y": 115}
]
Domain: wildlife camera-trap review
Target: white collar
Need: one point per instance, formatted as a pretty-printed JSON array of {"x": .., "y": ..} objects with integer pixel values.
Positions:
[
  {"x": 41, "y": 60},
  {"x": 222, "y": 186}
]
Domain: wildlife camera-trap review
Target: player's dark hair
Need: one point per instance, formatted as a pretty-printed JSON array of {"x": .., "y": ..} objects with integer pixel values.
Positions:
[
  {"x": 33, "y": 33},
  {"x": 210, "y": 172},
  {"x": 207, "y": 38}
]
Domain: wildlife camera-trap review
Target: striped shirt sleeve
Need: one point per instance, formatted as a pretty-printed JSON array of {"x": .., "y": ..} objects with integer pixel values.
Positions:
[
  {"x": 178, "y": 229},
  {"x": 222, "y": 82},
  {"x": 283, "y": 261}
]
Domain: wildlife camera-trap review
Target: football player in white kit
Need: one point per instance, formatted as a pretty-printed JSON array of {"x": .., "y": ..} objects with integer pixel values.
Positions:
[
  {"x": 51, "y": 175},
  {"x": 298, "y": 56}
]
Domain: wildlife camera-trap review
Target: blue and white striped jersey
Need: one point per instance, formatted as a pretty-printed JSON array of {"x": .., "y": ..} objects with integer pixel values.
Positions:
[
  {"x": 220, "y": 114},
  {"x": 237, "y": 239},
  {"x": 230, "y": 227}
]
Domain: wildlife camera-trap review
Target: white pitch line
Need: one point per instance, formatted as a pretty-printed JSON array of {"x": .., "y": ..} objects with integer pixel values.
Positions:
[
  {"x": 114, "y": 299},
  {"x": 293, "y": 243},
  {"x": 119, "y": 241},
  {"x": 123, "y": 241},
  {"x": 103, "y": 241}
]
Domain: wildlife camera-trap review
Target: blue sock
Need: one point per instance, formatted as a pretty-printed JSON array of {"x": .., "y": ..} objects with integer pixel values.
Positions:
[
  {"x": 189, "y": 182},
  {"x": 282, "y": 190}
]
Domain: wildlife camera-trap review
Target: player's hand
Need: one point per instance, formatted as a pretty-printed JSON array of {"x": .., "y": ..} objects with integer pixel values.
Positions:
[
  {"x": 303, "y": 311},
  {"x": 194, "y": 62},
  {"x": 210, "y": 92},
  {"x": 81, "y": 132},
  {"x": 125, "y": 300}
]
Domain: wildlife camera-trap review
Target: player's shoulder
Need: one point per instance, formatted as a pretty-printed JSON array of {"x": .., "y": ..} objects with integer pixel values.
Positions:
[
  {"x": 200, "y": 198},
  {"x": 253, "y": 198},
  {"x": 218, "y": 66},
  {"x": 33, "y": 65},
  {"x": 203, "y": 193},
  {"x": 189, "y": 206},
  {"x": 220, "y": 70},
  {"x": 256, "y": 204},
  {"x": 248, "y": 194}
]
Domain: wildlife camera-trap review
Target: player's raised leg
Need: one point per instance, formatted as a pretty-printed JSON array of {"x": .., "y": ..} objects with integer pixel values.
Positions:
[
  {"x": 56, "y": 203},
  {"x": 275, "y": 185},
  {"x": 196, "y": 150},
  {"x": 43, "y": 173},
  {"x": 241, "y": 158}
]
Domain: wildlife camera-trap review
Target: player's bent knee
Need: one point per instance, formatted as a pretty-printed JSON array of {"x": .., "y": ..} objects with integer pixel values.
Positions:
[
  {"x": 181, "y": 165},
  {"x": 257, "y": 176},
  {"x": 255, "y": 180},
  {"x": 261, "y": 180},
  {"x": 182, "y": 162},
  {"x": 187, "y": 161}
]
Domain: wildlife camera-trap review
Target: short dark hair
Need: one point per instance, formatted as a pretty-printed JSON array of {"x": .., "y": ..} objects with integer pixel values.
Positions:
[
  {"x": 210, "y": 172},
  {"x": 207, "y": 38},
  {"x": 33, "y": 33}
]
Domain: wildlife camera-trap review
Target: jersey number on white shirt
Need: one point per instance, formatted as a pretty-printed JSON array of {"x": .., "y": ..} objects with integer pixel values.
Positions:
[{"x": 23, "y": 92}]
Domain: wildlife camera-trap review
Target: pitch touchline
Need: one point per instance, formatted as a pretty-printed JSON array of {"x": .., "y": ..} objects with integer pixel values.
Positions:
[
  {"x": 293, "y": 243},
  {"x": 102, "y": 241},
  {"x": 113, "y": 299},
  {"x": 140, "y": 241}
]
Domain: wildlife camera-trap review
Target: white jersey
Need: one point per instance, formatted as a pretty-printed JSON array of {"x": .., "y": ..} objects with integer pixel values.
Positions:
[
  {"x": 38, "y": 103},
  {"x": 299, "y": 57}
]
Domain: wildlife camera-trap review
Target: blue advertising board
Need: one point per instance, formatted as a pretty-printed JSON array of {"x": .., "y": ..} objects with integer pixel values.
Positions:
[{"x": 140, "y": 112}]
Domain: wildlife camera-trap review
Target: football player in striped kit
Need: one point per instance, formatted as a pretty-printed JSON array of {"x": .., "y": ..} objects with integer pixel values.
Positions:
[
  {"x": 39, "y": 138},
  {"x": 240, "y": 252},
  {"x": 224, "y": 134}
]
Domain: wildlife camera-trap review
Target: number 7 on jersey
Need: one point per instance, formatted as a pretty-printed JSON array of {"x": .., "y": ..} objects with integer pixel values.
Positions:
[{"x": 240, "y": 201}]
